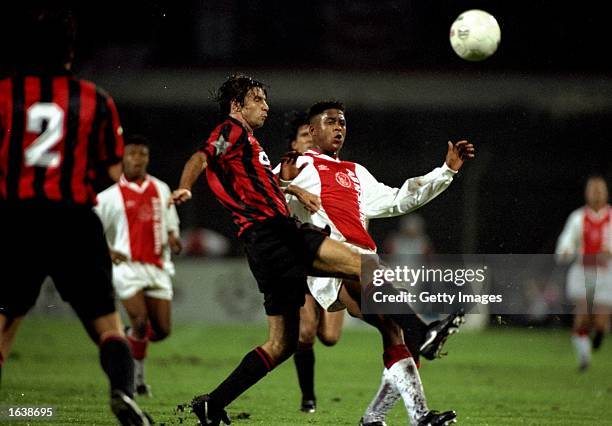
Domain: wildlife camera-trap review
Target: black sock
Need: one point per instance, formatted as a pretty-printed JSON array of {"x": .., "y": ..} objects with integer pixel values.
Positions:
[
  {"x": 117, "y": 363},
  {"x": 255, "y": 365},
  {"x": 304, "y": 364}
]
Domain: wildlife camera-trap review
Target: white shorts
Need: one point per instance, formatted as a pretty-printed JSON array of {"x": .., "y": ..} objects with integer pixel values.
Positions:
[
  {"x": 580, "y": 279},
  {"x": 131, "y": 277},
  {"x": 325, "y": 290}
]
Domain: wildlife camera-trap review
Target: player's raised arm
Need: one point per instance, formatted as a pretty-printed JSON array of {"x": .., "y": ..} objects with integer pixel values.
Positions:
[
  {"x": 458, "y": 153},
  {"x": 192, "y": 170}
]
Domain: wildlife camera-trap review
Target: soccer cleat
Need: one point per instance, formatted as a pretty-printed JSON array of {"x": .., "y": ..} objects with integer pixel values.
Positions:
[
  {"x": 127, "y": 411},
  {"x": 308, "y": 406},
  {"x": 143, "y": 390},
  {"x": 435, "y": 418},
  {"x": 438, "y": 332},
  {"x": 376, "y": 423},
  {"x": 207, "y": 413}
]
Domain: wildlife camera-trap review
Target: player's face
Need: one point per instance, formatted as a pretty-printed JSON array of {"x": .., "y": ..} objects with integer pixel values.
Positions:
[
  {"x": 135, "y": 161},
  {"x": 328, "y": 131},
  {"x": 303, "y": 139},
  {"x": 255, "y": 108},
  {"x": 596, "y": 193}
]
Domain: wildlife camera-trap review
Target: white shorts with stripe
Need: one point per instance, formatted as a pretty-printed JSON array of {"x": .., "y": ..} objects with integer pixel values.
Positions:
[
  {"x": 599, "y": 280},
  {"x": 131, "y": 277},
  {"x": 325, "y": 290}
]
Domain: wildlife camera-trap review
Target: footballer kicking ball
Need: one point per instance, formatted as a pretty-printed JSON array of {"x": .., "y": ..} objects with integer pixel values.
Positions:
[{"x": 475, "y": 35}]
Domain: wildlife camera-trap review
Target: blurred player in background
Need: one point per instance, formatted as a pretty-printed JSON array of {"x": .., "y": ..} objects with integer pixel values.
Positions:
[
  {"x": 280, "y": 251},
  {"x": 350, "y": 196},
  {"x": 587, "y": 240},
  {"x": 55, "y": 131},
  {"x": 314, "y": 320},
  {"x": 141, "y": 230}
]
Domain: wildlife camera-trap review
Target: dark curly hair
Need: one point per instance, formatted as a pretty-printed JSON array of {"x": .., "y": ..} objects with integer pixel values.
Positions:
[
  {"x": 321, "y": 106},
  {"x": 235, "y": 88},
  {"x": 43, "y": 36}
]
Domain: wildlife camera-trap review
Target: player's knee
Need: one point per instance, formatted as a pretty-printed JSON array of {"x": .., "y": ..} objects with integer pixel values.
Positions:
[
  {"x": 160, "y": 333},
  {"x": 308, "y": 332},
  {"x": 282, "y": 350},
  {"x": 329, "y": 339}
]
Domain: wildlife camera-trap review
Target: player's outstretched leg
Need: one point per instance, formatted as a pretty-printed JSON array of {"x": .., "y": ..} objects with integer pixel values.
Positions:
[{"x": 281, "y": 344}]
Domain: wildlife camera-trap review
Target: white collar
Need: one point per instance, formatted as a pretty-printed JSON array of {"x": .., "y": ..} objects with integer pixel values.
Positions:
[{"x": 133, "y": 185}]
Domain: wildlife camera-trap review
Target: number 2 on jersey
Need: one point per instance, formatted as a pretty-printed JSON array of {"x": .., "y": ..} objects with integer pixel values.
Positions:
[{"x": 39, "y": 152}]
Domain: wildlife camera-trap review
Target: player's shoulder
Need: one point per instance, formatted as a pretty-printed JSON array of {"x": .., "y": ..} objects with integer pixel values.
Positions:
[
  {"x": 576, "y": 216},
  {"x": 109, "y": 193}
]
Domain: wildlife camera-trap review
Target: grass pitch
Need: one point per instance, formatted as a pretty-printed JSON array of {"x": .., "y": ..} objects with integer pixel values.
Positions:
[{"x": 497, "y": 377}]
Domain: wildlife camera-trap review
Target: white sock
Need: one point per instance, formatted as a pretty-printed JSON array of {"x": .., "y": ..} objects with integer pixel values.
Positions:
[
  {"x": 582, "y": 346},
  {"x": 405, "y": 376},
  {"x": 139, "y": 372},
  {"x": 383, "y": 401}
]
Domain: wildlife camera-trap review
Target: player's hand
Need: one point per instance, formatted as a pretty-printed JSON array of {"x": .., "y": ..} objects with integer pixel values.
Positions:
[
  {"x": 117, "y": 257},
  {"x": 179, "y": 196},
  {"x": 175, "y": 243},
  {"x": 289, "y": 168},
  {"x": 458, "y": 153},
  {"x": 311, "y": 202}
]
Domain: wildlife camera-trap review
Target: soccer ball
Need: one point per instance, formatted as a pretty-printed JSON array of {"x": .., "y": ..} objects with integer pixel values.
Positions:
[{"x": 475, "y": 35}]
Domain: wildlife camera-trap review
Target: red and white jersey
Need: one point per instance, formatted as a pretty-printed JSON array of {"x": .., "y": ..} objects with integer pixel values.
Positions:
[
  {"x": 137, "y": 219},
  {"x": 586, "y": 232},
  {"x": 350, "y": 195}
]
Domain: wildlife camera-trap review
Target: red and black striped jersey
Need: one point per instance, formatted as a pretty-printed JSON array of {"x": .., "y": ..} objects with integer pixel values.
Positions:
[
  {"x": 56, "y": 132},
  {"x": 240, "y": 175}
]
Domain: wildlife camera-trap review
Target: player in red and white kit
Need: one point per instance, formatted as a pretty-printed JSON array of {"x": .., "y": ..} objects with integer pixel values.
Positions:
[
  {"x": 350, "y": 196},
  {"x": 587, "y": 241},
  {"x": 141, "y": 230}
]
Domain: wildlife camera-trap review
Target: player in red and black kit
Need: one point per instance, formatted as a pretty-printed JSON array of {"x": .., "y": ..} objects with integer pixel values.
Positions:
[
  {"x": 280, "y": 250},
  {"x": 55, "y": 131}
]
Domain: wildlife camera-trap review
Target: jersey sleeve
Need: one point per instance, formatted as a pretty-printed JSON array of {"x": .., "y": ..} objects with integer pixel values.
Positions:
[
  {"x": 568, "y": 242},
  {"x": 222, "y": 141},
  {"x": 172, "y": 219},
  {"x": 380, "y": 200},
  {"x": 103, "y": 209},
  {"x": 110, "y": 131}
]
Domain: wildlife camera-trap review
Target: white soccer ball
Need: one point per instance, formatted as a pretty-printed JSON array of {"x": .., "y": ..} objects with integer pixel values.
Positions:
[{"x": 475, "y": 35}]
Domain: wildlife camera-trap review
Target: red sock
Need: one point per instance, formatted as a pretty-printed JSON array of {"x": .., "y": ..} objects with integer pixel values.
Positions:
[
  {"x": 269, "y": 362},
  {"x": 394, "y": 354},
  {"x": 581, "y": 331},
  {"x": 138, "y": 346}
]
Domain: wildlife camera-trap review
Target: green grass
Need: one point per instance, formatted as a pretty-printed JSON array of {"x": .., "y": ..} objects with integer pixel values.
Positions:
[{"x": 497, "y": 377}]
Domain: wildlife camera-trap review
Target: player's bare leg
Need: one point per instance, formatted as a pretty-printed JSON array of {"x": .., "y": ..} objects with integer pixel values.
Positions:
[
  {"x": 304, "y": 355},
  {"x": 281, "y": 344},
  {"x": 137, "y": 310},
  {"x": 160, "y": 318},
  {"x": 330, "y": 326}
]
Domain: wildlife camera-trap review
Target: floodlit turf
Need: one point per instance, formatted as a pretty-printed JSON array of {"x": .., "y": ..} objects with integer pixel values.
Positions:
[{"x": 498, "y": 377}]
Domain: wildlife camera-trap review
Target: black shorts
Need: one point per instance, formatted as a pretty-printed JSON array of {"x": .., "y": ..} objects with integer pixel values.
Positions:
[
  {"x": 65, "y": 243},
  {"x": 280, "y": 251}
]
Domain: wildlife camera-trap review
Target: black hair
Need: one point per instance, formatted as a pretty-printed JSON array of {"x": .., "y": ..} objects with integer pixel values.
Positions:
[
  {"x": 235, "y": 88},
  {"x": 296, "y": 120},
  {"x": 43, "y": 37},
  {"x": 137, "y": 140},
  {"x": 321, "y": 106}
]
